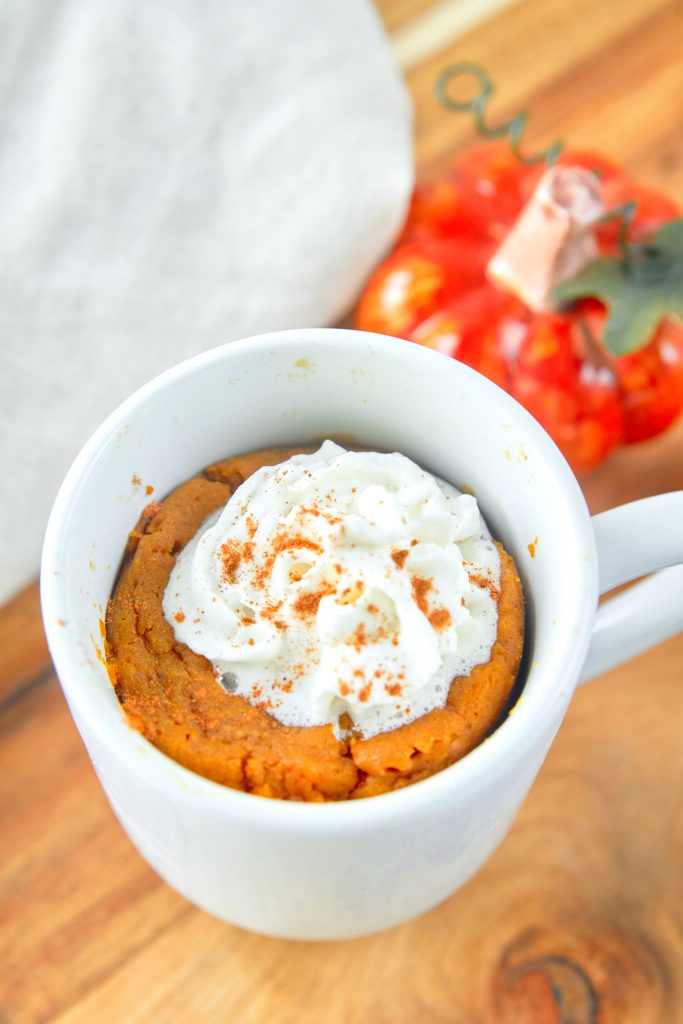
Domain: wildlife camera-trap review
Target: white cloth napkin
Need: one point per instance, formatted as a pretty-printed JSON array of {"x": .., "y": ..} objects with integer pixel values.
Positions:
[{"x": 173, "y": 175}]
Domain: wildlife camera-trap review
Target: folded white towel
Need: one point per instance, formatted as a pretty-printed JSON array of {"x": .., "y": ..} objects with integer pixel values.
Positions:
[{"x": 174, "y": 175}]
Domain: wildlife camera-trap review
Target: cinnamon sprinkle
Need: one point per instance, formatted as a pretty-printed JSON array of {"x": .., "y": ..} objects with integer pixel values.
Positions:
[
  {"x": 399, "y": 557},
  {"x": 311, "y": 510},
  {"x": 306, "y": 605},
  {"x": 231, "y": 556},
  {"x": 440, "y": 618},
  {"x": 358, "y": 639},
  {"x": 351, "y": 593},
  {"x": 477, "y": 580},
  {"x": 269, "y": 611},
  {"x": 283, "y": 542},
  {"x": 421, "y": 587}
]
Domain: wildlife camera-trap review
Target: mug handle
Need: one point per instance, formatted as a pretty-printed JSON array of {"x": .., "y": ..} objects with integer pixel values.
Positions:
[{"x": 633, "y": 540}]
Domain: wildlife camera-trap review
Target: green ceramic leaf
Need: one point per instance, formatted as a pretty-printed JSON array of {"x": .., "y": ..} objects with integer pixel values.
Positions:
[{"x": 638, "y": 293}]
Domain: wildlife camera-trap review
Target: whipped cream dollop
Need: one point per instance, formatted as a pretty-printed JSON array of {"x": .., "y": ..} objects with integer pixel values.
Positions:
[{"x": 340, "y": 585}]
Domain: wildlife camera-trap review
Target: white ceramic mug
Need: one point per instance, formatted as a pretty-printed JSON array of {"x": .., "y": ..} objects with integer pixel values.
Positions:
[{"x": 322, "y": 871}]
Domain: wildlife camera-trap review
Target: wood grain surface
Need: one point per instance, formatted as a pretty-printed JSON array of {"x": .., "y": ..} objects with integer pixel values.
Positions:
[{"x": 578, "y": 917}]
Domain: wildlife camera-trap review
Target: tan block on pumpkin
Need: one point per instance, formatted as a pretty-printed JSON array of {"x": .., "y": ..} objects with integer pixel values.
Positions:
[{"x": 553, "y": 238}]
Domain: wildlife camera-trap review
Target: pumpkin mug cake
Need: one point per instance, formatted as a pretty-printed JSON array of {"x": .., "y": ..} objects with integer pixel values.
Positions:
[{"x": 315, "y": 626}]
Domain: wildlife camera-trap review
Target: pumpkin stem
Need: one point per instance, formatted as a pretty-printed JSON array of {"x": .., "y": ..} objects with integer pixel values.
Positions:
[{"x": 553, "y": 238}]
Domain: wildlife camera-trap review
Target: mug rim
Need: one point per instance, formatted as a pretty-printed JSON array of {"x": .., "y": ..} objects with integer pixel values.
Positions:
[{"x": 160, "y": 770}]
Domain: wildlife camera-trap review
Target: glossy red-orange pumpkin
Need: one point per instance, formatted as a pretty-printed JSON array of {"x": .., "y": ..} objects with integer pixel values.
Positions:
[{"x": 433, "y": 290}]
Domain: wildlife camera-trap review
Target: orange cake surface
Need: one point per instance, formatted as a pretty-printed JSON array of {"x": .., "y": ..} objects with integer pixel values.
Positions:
[{"x": 174, "y": 698}]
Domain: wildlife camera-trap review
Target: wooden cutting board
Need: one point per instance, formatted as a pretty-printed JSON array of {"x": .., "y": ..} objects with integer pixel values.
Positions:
[{"x": 578, "y": 917}]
